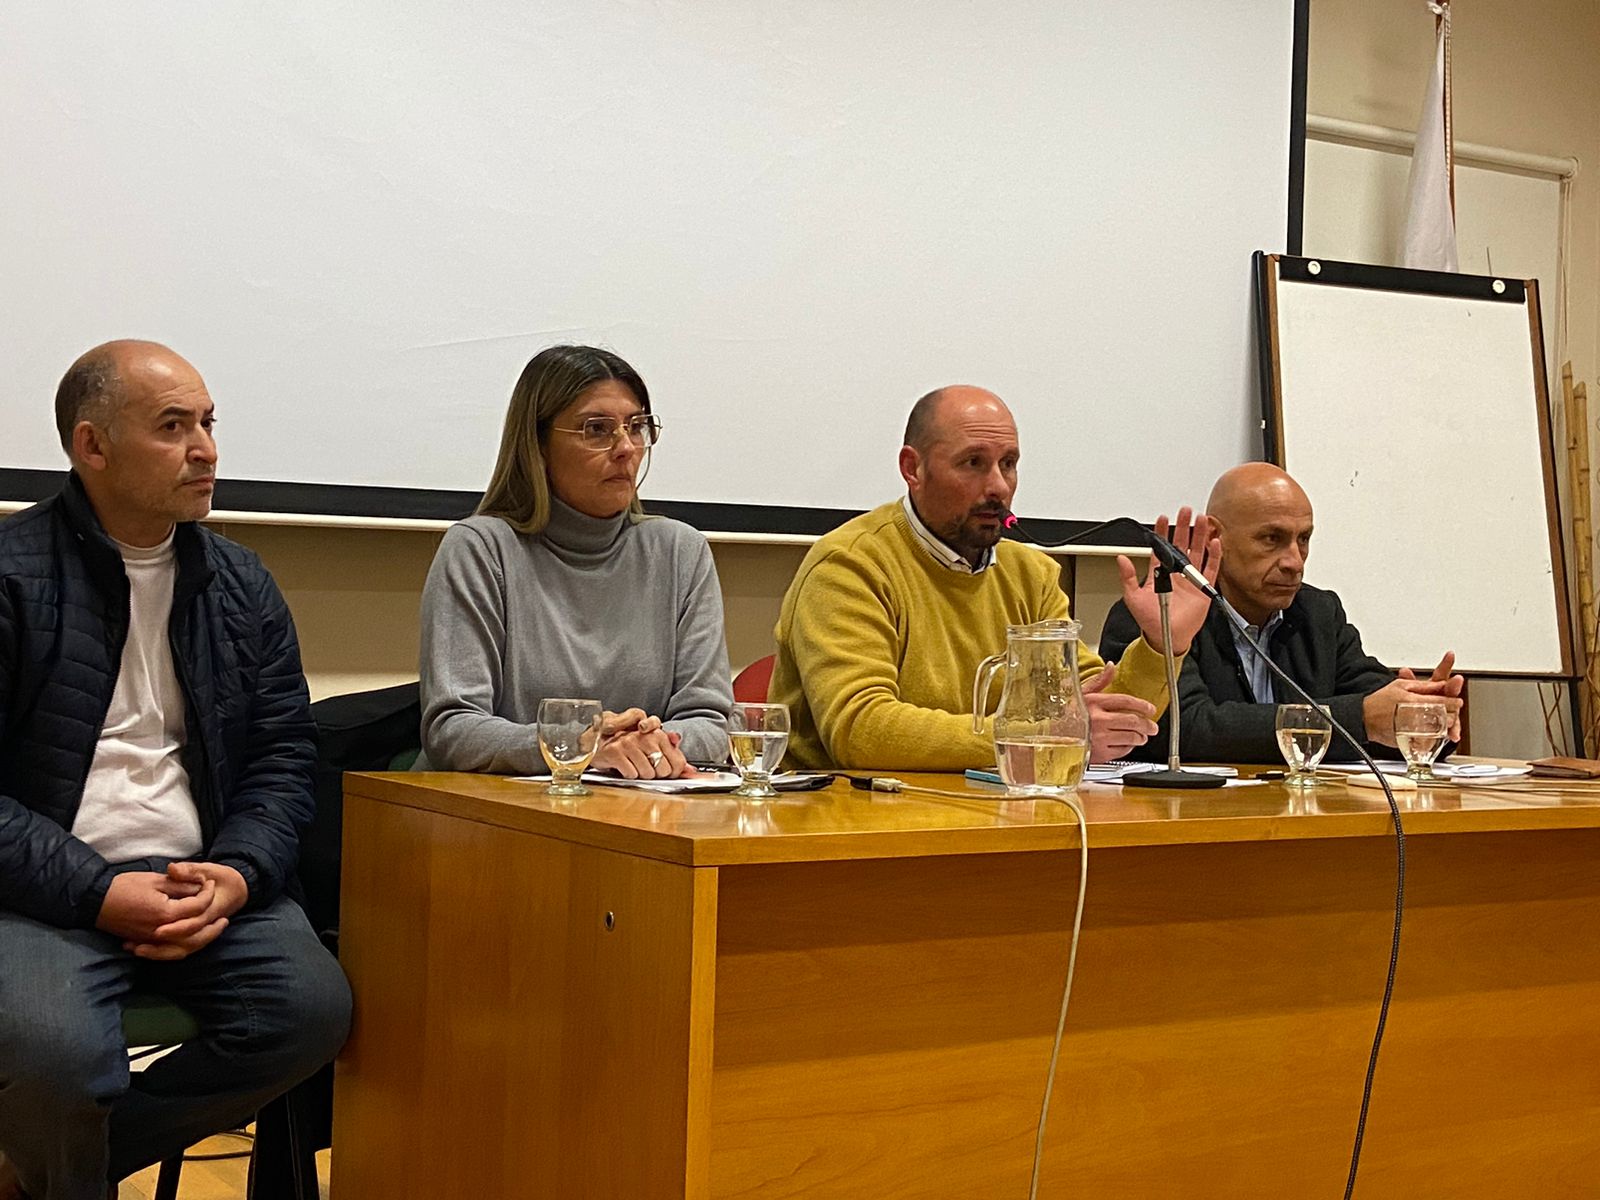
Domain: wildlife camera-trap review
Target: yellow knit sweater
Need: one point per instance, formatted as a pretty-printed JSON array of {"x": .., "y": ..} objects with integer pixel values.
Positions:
[{"x": 878, "y": 643}]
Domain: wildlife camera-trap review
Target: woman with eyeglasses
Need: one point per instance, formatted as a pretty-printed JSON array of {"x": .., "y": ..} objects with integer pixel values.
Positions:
[{"x": 560, "y": 586}]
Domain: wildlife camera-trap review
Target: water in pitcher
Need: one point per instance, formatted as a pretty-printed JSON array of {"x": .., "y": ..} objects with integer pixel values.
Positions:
[
  {"x": 1041, "y": 725},
  {"x": 1045, "y": 762}
]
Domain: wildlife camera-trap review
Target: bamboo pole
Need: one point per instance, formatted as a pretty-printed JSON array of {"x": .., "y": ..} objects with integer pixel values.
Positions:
[{"x": 1575, "y": 398}]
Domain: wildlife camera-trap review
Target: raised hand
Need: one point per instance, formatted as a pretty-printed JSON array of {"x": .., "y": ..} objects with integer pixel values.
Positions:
[{"x": 1188, "y": 605}]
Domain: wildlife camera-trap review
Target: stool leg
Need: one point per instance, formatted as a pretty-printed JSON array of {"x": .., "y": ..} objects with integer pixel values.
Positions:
[
  {"x": 283, "y": 1162},
  {"x": 167, "y": 1180}
]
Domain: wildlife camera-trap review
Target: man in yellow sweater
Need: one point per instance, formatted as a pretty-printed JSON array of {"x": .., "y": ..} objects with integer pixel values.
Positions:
[{"x": 889, "y": 615}]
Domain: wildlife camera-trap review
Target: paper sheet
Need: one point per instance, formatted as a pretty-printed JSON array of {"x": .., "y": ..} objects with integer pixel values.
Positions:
[{"x": 706, "y": 781}]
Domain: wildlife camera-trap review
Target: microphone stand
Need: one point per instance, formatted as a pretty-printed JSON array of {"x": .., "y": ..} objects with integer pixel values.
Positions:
[{"x": 1174, "y": 776}]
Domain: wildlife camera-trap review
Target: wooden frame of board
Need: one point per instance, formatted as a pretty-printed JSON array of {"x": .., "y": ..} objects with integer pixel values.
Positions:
[{"x": 1269, "y": 268}]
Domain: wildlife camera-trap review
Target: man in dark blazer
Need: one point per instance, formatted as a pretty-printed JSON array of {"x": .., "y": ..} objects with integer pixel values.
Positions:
[{"x": 1229, "y": 697}]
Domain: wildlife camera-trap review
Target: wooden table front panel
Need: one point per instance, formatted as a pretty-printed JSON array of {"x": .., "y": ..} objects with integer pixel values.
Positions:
[
  {"x": 507, "y": 1044},
  {"x": 882, "y": 1027}
]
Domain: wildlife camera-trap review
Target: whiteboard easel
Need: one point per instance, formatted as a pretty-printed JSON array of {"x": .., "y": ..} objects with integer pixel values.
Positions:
[{"x": 1411, "y": 406}]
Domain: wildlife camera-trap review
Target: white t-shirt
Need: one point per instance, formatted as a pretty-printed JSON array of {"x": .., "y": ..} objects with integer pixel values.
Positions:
[{"x": 136, "y": 801}]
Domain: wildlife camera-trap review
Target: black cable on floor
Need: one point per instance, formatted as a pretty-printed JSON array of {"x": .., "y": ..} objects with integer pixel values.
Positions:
[{"x": 224, "y": 1156}]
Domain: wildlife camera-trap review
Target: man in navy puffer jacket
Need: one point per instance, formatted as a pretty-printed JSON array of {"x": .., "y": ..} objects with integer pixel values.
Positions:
[{"x": 156, "y": 756}]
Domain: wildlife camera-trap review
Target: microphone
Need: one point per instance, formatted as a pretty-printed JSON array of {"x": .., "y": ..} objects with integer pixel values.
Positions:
[{"x": 1177, "y": 562}]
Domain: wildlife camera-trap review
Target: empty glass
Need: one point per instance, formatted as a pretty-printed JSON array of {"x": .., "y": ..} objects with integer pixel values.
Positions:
[
  {"x": 1304, "y": 735},
  {"x": 569, "y": 735},
  {"x": 758, "y": 734},
  {"x": 1420, "y": 731}
]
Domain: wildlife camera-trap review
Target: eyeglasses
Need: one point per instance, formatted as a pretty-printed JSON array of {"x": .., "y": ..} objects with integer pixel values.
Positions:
[{"x": 602, "y": 433}]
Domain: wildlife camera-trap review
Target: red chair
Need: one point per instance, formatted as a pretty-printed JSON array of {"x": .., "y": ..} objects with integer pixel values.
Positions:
[{"x": 750, "y": 685}]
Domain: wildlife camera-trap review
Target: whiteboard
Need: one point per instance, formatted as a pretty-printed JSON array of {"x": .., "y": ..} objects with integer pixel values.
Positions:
[
  {"x": 1415, "y": 422},
  {"x": 793, "y": 217}
]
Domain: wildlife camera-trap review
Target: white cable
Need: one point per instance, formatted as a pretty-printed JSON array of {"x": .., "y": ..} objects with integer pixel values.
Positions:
[
  {"x": 1066, "y": 992},
  {"x": 890, "y": 784}
]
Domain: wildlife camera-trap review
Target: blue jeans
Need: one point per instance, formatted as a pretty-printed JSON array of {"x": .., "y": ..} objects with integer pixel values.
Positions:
[{"x": 271, "y": 1003}]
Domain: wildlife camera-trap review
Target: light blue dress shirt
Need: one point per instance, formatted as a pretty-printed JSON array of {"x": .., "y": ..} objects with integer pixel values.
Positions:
[{"x": 1256, "y": 669}]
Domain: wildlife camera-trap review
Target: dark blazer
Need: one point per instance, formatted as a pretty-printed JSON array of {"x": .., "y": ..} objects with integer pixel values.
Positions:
[
  {"x": 1316, "y": 645},
  {"x": 251, "y": 744}
]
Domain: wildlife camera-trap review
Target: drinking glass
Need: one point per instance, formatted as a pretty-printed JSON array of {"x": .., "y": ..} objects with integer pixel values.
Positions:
[
  {"x": 758, "y": 734},
  {"x": 1304, "y": 735},
  {"x": 569, "y": 735},
  {"x": 1420, "y": 731}
]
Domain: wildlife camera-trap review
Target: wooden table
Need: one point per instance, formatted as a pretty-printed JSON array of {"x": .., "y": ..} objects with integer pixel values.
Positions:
[{"x": 840, "y": 994}]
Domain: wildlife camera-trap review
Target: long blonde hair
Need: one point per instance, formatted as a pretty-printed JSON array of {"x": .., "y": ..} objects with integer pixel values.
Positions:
[{"x": 519, "y": 490}]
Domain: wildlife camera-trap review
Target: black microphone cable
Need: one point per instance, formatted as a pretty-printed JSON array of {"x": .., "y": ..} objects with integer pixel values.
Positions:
[
  {"x": 1176, "y": 561},
  {"x": 1399, "y": 883}
]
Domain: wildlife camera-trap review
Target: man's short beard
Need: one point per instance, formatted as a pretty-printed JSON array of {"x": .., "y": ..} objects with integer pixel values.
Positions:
[{"x": 969, "y": 539}]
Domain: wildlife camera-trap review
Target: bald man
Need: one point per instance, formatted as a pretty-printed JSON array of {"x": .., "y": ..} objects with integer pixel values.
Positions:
[
  {"x": 156, "y": 757},
  {"x": 1228, "y": 694},
  {"x": 889, "y": 616}
]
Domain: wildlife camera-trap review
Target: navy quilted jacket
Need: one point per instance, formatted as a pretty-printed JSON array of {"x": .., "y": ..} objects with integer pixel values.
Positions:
[{"x": 63, "y": 620}]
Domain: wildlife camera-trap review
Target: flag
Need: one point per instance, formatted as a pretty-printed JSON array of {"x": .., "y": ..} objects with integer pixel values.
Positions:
[{"x": 1429, "y": 242}]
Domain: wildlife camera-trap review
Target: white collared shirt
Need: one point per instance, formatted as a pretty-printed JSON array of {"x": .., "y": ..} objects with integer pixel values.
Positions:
[{"x": 942, "y": 554}]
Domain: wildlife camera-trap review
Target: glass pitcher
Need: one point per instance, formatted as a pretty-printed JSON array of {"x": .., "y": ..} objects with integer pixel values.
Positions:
[{"x": 1041, "y": 728}]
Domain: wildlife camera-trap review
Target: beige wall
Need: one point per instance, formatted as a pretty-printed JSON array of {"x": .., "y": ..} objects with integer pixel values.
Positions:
[{"x": 1523, "y": 77}]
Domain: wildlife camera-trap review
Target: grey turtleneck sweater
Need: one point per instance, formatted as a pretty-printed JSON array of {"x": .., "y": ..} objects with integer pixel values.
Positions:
[{"x": 628, "y": 613}]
